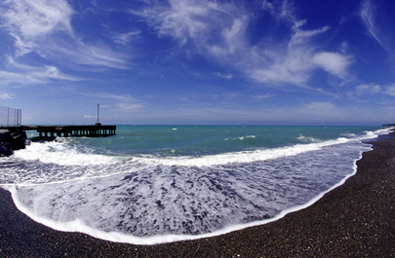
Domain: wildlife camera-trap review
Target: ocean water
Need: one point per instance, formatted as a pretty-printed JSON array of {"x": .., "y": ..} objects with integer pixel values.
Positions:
[{"x": 157, "y": 184}]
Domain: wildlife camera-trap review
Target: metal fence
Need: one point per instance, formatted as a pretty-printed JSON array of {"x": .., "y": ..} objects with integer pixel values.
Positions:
[{"x": 10, "y": 116}]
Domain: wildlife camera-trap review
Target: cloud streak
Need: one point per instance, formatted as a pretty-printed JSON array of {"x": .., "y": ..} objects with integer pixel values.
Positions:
[
  {"x": 20, "y": 74},
  {"x": 368, "y": 15},
  {"x": 122, "y": 102},
  {"x": 124, "y": 38}
]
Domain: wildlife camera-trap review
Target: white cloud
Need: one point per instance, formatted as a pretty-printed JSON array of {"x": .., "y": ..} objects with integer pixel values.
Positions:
[
  {"x": 5, "y": 96},
  {"x": 28, "y": 20},
  {"x": 373, "y": 89},
  {"x": 334, "y": 63},
  {"x": 128, "y": 106},
  {"x": 234, "y": 36},
  {"x": 301, "y": 36},
  {"x": 390, "y": 90},
  {"x": 181, "y": 20},
  {"x": 265, "y": 96},
  {"x": 295, "y": 63},
  {"x": 124, "y": 38},
  {"x": 45, "y": 27},
  {"x": 219, "y": 32},
  {"x": 123, "y": 102},
  {"x": 79, "y": 56},
  {"x": 368, "y": 14},
  {"x": 20, "y": 74},
  {"x": 226, "y": 76},
  {"x": 368, "y": 89},
  {"x": 205, "y": 23},
  {"x": 89, "y": 117},
  {"x": 105, "y": 95},
  {"x": 39, "y": 17}
]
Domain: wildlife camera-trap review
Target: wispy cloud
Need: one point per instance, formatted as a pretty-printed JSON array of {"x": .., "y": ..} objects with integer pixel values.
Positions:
[
  {"x": 81, "y": 56},
  {"x": 21, "y": 74},
  {"x": 182, "y": 20},
  {"x": 372, "y": 89},
  {"x": 334, "y": 63},
  {"x": 219, "y": 31},
  {"x": 293, "y": 61},
  {"x": 124, "y": 38},
  {"x": 45, "y": 27},
  {"x": 390, "y": 90},
  {"x": 28, "y": 21},
  {"x": 5, "y": 96},
  {"x": 110, "y": 96},
  {"x": 40, "y": 75},
  {"x": 265, "y": 96},
  {"x": 368, "y": 14},
  {"x": 226, "y": 76},
  {"x": 128, "y": 106},
  {"x": 122, "y": 102},
  {"x": 368, "y": 89},
  {"x": 88, "y": 117}
]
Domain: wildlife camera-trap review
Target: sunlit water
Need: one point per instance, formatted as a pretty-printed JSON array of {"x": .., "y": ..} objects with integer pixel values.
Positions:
[{"x": 155, "y": 184}]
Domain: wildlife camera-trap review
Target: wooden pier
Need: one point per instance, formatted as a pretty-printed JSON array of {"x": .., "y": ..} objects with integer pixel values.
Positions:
[
  {"x": 11, "y": 120},
  {"x": 97, "y": 130}
]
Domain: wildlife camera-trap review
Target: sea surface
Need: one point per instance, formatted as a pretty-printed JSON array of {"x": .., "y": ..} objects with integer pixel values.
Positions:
[{"x": 157, "y": 184}]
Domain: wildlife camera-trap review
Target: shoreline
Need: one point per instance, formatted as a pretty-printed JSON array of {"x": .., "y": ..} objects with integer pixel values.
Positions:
[{"x": 356, "y": 218}]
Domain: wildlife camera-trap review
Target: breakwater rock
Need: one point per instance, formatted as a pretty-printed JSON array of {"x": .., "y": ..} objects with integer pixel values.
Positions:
[{"x": 12, "y": 140}]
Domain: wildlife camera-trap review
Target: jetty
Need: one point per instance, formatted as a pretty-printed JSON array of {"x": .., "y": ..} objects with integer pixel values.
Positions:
[
  {"x": 11, "y": 119},
  {"x": 13, "y": 133},
  {"x": 96, "y": 130}
]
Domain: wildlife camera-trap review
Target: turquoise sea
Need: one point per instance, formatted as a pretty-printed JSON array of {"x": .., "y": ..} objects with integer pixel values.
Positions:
[{"x": 156, "y": 184}]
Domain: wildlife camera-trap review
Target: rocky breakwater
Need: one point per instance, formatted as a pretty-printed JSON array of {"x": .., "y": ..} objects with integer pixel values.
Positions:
[{"x": 11, "y": 140}]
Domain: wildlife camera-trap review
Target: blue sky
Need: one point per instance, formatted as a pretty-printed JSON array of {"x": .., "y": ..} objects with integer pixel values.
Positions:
[{"x": 301, "y": 62}]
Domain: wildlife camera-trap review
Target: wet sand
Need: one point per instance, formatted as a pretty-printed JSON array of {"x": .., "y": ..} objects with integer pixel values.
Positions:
[{"x": 356, "y": 219}]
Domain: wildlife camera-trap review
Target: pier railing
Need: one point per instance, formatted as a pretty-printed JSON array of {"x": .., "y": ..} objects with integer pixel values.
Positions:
[{"x": 10, "y": 116}]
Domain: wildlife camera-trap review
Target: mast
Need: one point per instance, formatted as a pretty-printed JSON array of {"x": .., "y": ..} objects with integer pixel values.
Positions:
[{"x": 98, "y": 105}]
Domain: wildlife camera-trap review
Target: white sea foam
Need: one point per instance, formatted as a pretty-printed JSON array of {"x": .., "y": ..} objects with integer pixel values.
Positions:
[
  {"x": 241, "y": 138},
  {"x": 148, "y": 201},
  {"x": 308, "y": 139},
  {"x": 167, "y": 204},
  {"x": 239, "y": 157},
  {"x": 349, "y": 135},
  {"x": 61, "y": 154}
]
